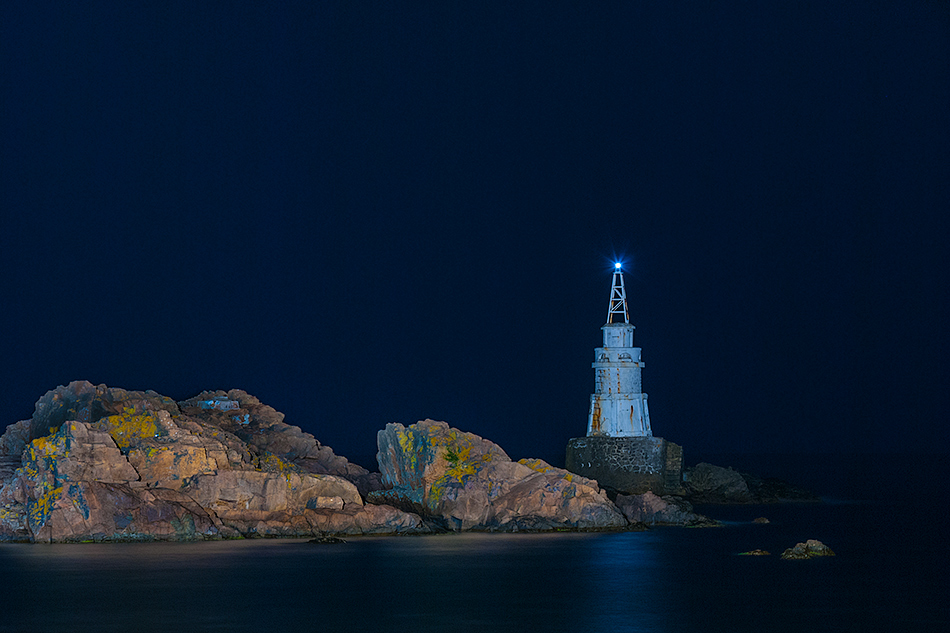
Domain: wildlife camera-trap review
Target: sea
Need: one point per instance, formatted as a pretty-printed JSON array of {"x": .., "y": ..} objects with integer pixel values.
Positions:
[{"x": 885, "y": 517}]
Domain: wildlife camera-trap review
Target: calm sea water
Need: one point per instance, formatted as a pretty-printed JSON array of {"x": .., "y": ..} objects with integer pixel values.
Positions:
[{"x": 889, "y": 575}]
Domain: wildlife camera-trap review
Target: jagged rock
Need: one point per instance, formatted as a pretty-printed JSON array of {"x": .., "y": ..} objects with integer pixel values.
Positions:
[
  {"x": 84, "y": 402},
  {"x": 706, "y": 483},
  {"x": 761, "y": 521},
  {"x": 468, "y": 482},
  {"x": 809, "y": 549},
  {"x": 71, "y": 402},
  {"x": 12, "y": 443},
  {"x": 128, "y": 465},
  {"x": 262, "y": 427},
  {"x": 651, "y": 509},
  {"x": 13, "y": 513}
]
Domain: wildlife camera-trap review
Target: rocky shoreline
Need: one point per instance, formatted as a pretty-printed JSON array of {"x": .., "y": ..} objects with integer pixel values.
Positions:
[{"x": 102, "y": 464}]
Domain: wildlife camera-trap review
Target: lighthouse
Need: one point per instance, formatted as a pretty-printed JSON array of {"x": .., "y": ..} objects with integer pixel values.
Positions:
[
  {"x": 620, "y": 450},
  {"x": 618, "y": 406}
]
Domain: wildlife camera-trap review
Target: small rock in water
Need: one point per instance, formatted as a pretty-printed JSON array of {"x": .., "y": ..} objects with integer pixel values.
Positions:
[
  {"x": 809, "y": 549},
  {"x": 326, "y": 540},
  {"x": 755, "y": 552},
  {"x": 761, "y": 520}
]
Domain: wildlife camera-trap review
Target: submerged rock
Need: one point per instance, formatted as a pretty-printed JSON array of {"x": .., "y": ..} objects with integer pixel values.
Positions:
[
  {"x": 809, "y": 549},
  {"x": 129, "y": 465},
  {"x": 466, "y": 482},
  {"x": 327, "y": 540}
]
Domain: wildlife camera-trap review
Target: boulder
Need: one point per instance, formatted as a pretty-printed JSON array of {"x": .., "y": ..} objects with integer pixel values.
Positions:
[
  {"x": 466, "y": 482},
  {"x": 651, "y": 509},
  {"x": 809, "y": 549},
  {"x": 705, "y": 483}
]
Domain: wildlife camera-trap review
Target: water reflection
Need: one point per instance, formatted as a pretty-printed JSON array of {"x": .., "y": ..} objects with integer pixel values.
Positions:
[
  {"x": 461, "y": 582},
  {"x": 660, "y": 581}
]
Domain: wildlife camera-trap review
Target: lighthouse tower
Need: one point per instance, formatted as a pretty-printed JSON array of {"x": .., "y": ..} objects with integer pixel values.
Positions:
[
  {"x": 618, "y": 407},
  {"x": 620, "y": 450}
]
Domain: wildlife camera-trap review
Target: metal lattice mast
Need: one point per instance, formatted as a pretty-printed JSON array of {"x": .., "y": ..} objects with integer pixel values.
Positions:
[{"x": 618, "y": 298}]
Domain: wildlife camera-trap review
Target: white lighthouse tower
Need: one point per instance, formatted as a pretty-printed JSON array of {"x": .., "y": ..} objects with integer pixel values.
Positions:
[
  {"x": 620, "y": 450},
  {"x": 618, "y": 407}
]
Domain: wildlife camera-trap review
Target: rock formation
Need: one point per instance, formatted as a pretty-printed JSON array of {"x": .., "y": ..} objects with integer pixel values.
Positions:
[
  {"x": 96, "y": 463},
  {"x": 651, "y": 509},
  {"x": 466, "y": 482},
  {"x": 809, "y": 549},
  {"x": 705, "y": 483},
  {"x": 99, "y": 463}
]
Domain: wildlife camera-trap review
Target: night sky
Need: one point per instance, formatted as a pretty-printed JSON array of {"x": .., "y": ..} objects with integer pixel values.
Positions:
[{"x": 381, "y": 212}]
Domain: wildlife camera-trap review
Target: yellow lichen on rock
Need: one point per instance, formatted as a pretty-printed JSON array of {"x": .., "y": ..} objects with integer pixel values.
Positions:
[
  {"x": 128, "y": 427},
  {"x": 40, "y": 509},
  {"x": 270, "y": 463},
  {"x": 543, "y": 467}
]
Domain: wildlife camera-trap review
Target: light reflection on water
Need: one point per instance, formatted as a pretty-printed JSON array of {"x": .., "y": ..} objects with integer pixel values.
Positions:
[
  {"x": 659, "y": 581},
  {"x": 496, "y": 582}
]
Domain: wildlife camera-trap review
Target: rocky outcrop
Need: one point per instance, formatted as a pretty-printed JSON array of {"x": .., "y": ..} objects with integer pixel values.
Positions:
[
  {"x": 651, "y": 509},
  {"x": 465, "y": 482},
  {"x": 809, "y": 549},
  {"x": 127, "y": 465},
  {"x": 705, "y": 483}
]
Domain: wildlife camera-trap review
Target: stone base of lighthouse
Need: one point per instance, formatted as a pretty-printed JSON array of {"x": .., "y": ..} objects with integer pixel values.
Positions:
[{"x": 629, "y": 465}]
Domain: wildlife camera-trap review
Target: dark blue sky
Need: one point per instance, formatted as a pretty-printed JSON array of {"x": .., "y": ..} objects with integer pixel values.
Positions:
[{"x": 372, "y": 212}]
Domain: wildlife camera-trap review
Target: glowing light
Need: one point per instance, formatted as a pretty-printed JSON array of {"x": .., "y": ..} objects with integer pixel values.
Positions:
[{"x": 617, "y": 265}]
